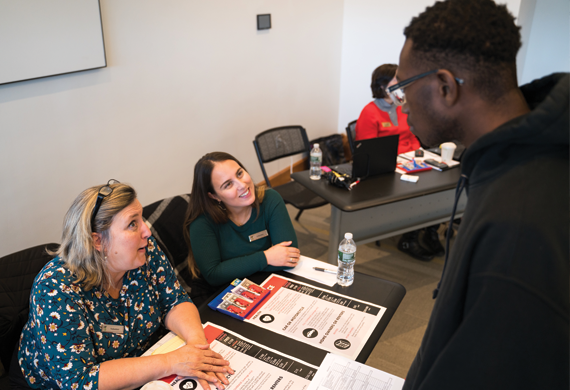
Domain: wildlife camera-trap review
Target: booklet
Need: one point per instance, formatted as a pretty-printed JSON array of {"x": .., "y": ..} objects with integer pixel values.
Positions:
[{"x": 239, "y": 299}]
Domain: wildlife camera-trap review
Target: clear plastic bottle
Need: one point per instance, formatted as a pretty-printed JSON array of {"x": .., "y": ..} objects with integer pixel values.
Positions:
[
  {"x": 316, "y": 160},
  {"x": 346, "y": 259}
]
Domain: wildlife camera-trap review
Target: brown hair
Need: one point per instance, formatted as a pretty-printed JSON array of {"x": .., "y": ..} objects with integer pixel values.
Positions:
[
  {"x": 381, "y": 76},
  {"x": 200, "y": 203}
]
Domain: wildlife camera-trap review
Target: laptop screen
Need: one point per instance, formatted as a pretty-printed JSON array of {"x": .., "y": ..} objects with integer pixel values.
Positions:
[{"x": 375, "y": 156}]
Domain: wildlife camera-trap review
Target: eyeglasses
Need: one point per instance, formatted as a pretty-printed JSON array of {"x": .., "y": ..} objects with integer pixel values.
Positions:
[
  {"x": 104, "y": 191},
  {"x": 396, "y": 92}
]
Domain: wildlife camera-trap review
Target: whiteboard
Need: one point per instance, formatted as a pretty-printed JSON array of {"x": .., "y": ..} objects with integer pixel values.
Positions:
[{"x": 46, "y": 38}]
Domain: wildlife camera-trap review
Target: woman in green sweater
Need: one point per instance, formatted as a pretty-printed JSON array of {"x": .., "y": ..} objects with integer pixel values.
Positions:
[{"x": 233, "y": 228}]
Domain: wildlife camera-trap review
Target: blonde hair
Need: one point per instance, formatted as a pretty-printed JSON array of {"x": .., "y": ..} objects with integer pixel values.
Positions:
[{"x": 87, "y": 264}]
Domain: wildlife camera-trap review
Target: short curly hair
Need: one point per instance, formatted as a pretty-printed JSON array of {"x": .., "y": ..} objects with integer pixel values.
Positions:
[{"x": 477, "y": 36}]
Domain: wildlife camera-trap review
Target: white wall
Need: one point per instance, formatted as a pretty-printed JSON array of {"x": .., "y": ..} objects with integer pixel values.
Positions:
[
  {"x": 373, "y": 34},
  {"x": 546, "y": 38},
  {"x": 184, "y": 77}
]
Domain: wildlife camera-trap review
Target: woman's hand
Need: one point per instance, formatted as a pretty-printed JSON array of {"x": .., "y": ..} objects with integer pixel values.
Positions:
[
  {"x": 283, "y": 255},
  {"x": 200, "y": 362}
]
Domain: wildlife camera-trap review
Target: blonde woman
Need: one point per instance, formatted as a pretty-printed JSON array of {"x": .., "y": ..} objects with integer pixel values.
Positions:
[{"x": 95, "y": 307}]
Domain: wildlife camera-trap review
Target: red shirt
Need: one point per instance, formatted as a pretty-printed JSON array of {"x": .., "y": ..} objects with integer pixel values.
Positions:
[{"x": 373, "y": 122}]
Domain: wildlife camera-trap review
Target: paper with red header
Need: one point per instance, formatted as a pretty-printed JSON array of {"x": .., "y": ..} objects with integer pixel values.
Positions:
[
  {"x": 324, "y": 319},
  {"x": 256, "y": 366}
]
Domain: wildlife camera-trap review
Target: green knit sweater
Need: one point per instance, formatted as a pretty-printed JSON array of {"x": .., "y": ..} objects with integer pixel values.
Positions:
[{"x": 224, "y": 253}]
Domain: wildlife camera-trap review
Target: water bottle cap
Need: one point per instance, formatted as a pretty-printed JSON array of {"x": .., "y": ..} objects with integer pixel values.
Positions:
[
  {"x": 315, "y": 145},
  {"x": 348, "y": 236}
]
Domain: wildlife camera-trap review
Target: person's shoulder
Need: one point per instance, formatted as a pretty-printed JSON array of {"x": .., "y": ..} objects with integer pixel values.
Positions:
[
  {"x": 54, "y": 272},
  {"x": 272, "y": 197},
  {"x": 370, "y": 107},
  {"x": 201, "y": 221},
  {"x": 57, "y": 281},
  {"x": 369, "y": 113}
]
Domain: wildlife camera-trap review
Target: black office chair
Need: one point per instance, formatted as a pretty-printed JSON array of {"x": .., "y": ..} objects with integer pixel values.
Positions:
[
  {"x": 166, "y": 219},
  {"x": 351, "y": 134},
  {"x": 280, "y": 142},
  {"x": 17, "y": 273}
]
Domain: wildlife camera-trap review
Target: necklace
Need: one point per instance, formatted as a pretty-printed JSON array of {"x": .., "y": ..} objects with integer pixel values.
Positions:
[{"x": 238, "y": 221}]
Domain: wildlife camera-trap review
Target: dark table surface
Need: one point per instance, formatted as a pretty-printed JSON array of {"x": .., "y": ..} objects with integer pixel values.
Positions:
[
  {"x": 365, "y": 287},
  {"x": 382, "y": 189}
]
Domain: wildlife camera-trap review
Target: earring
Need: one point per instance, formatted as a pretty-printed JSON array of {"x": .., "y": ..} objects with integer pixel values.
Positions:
[{"x": 221, "y": 206}]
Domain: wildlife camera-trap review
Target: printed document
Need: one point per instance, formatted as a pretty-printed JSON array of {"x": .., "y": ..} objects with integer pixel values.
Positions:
[
  {"x": 339, "y": 373},
  {"x": 321, "y": 318},
  {"x": 256, "y": 366}
]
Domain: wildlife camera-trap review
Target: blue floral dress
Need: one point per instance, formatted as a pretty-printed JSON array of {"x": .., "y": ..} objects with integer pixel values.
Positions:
[{"x": 70, "y": 331}]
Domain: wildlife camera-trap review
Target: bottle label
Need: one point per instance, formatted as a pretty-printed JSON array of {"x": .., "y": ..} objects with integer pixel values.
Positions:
[
  {"x": 345, "y": 256},
  {"x": 316, "y": 159}
]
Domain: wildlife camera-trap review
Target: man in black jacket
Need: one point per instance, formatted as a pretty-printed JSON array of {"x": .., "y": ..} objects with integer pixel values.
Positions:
[{"x": 501, "y": 319}]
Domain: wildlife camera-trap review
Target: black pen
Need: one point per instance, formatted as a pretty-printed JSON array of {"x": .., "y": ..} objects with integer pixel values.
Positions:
[{"x": 330, "y": 271}]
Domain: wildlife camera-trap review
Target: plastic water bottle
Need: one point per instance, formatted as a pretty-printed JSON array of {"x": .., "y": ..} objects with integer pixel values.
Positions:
[
  {"x": 316, "y": 160},
  {"x": 346, "y": 259}
]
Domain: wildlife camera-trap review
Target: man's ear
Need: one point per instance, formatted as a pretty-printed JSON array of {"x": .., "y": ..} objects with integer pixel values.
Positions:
[
  {"x": 448, "y": 88},
  {"x": 97, "y": 242},
  {"x": 212, "y": 196}
]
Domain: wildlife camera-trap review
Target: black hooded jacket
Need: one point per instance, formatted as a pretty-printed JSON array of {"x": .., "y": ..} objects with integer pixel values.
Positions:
[{"x": 501, "y": 318}]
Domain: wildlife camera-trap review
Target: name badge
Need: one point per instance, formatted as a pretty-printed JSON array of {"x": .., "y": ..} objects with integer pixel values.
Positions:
[
  {"x": 257, "y": 236},
  {"x": 118, "y": 329},
  {"x": 387, "y": 124}
]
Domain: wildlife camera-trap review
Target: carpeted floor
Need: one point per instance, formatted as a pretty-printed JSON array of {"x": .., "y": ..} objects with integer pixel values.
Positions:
[{"x": 398, "y": 345}]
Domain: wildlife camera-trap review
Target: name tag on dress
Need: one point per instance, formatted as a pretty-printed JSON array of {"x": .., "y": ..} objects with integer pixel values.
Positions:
[
  {"x": 118, "y": 329},
  {"x": 257, "y": 236}
]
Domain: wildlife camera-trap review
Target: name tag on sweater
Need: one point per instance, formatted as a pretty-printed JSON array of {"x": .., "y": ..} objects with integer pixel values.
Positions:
[
  {"x": 118, "y": 329},
  {"x": 387, "y": 124},
  {"x": 257, "y": 236}
]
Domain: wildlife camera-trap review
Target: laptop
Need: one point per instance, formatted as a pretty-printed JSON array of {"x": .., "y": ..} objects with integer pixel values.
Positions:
[{"x": 372, "y": 157}]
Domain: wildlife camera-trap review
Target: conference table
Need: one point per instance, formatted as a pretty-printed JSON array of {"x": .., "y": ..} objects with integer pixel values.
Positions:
[
  {"x": 384, "y": 206},
  {"x": 365, "y": 287}
]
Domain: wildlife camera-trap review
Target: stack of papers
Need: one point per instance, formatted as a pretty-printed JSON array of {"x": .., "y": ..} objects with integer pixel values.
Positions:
[{"x": 405, "y": 157}]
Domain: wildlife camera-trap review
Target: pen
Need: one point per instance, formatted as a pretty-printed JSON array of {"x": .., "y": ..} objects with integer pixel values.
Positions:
[{"x": 330, "y": 271}]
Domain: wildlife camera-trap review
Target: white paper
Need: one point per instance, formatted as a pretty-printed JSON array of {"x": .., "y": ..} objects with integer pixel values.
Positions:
[
  {"x": 321, "y": 318},
  {"x": 256, "y": 366},
  {"x": 427, "y": 155},
  {"x": 305, "y": 269},
  {"x": 339, "y": 373}
]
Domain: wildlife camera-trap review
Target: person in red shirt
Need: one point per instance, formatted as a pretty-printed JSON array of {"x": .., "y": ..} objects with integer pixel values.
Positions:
[{"x": 381, "y": 117}]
